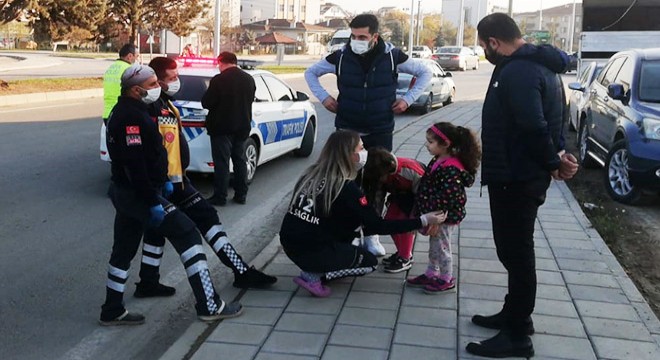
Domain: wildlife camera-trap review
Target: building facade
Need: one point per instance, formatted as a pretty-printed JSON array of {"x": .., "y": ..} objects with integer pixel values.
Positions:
[
  {"x": 257, "y": 10},
  {"x": 474, "y": 10},
  {"x": 557, "y": 21}
]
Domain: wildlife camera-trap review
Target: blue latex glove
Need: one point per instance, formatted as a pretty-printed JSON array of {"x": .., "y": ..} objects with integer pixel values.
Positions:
[
  {"x": 168, "y": 189},
  {"x": 157, "y": 215}
]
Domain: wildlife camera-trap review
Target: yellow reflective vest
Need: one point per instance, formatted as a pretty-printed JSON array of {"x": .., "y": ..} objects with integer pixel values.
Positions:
[{"x": 112, "y": 85}]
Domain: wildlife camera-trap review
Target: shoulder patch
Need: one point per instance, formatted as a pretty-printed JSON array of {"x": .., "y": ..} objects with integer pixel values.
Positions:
[
  {"x": 363, "y": 201},
  {"x": 133, "y": 140},
  {"x": 132, "y": 130}
]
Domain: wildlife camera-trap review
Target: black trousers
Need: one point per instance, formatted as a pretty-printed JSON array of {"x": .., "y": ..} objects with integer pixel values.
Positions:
[
  {"x": 381, "y": 139},
  {"x": 224, "y": 148},
  {"x": 131, "y": 217},
  {"x": 513, "y": 209},
  {"x": 335, "y": 260},
  {"x": 203, "y": 214}
]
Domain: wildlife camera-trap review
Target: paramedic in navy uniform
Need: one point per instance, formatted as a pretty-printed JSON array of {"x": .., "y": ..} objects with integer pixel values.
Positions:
[
  {"x": 229, "y": 100},
  {"x": 138, "y": 190}
]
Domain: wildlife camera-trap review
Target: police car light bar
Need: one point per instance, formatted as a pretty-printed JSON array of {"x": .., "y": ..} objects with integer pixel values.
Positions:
[{"x": 199, "y": 60}]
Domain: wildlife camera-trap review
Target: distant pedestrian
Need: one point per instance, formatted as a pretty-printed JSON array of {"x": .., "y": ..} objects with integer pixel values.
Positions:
[
  {"x": 128, "y": 54},
  {"x": 325, "y": 210},
  {"x": 138, "y": 191},
  {"x": 229, "y": 99},
  {"x": 399, "y": 177},
  {"x": 522, "y": 152},
  {"x": 456, "y": 155}
]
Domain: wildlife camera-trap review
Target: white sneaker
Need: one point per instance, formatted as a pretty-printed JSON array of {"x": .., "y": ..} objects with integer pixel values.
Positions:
[{"x": 372, "y": 244}]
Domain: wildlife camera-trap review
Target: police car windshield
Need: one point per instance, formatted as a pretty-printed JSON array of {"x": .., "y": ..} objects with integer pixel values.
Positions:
[{"x": 192, "y": 88}]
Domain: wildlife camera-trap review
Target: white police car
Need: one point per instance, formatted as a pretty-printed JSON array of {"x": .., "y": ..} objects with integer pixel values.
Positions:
[{"x": 283, "y": 120}]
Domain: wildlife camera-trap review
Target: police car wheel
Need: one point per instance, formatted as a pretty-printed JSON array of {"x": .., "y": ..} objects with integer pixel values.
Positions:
[
  {"x": 252, "y": 156},
  {"x": 307, "y": 144}
]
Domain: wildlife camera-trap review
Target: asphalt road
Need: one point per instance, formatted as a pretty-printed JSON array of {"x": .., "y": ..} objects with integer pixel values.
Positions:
[{"x": 56, "y": 232}]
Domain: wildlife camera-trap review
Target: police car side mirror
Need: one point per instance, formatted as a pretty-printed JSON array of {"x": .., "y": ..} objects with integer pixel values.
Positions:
[
  {"x": 448, "y": 74},
  {"x": 301, "y": 96}
]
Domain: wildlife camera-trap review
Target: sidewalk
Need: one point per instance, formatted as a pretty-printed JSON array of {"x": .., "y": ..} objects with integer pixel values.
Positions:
[{"x": 587, "y": 307}]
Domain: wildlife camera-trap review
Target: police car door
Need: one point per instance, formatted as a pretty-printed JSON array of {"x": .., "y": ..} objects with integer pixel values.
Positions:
[
  {"x": 291, "y": 121},
  {"x": 265, "y": 114}
]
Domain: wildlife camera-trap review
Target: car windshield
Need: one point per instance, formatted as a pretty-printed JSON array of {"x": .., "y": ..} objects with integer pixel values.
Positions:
[
  {"x": 450, "y": 50},
  {"x": 404, "y": 81},
  {"x": 336, "y": 41},
  {"x": 649, "y": 81},
  {"x": 192, "y": 88}
]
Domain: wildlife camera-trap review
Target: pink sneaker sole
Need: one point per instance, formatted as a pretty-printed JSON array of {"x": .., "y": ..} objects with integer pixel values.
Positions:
[{"x": 317, "y": 289}]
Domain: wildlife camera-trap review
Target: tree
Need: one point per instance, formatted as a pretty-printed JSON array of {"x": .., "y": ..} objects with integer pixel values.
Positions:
[
  {"x": 469, "y": 35},
  {"x": 449, "y": 32},
  {"x": 64, "y": 19},
  {"x": 174, "y": 15},
  {"x": 398, "y": 24},
  {"x": 11, "y": 10},
  {"x": 432, "y": 29}
]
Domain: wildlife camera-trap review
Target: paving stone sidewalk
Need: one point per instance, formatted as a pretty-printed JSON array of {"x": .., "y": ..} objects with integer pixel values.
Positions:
[{"x": 587, "y": 307}]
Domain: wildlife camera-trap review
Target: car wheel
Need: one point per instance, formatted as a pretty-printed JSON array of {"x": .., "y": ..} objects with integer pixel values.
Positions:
[
  {"x": 252, "y": 156},
  {"x": 476, "y": 65},
  {"x": 428, "y": 105},
  {"x": 617, "y": 180},
  {"x": 307, "y": 144},
  {"x": 583, "y": 147},
  {"x": 451, "y": 97},
  {"x": 463, "y": 68}
]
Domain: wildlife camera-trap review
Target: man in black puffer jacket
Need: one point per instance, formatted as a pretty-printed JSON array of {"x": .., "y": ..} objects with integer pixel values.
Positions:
[{"x": 522, "y": 149}]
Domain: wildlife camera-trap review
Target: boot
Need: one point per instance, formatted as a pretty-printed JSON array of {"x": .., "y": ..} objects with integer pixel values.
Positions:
[
  {"x": 504, "y": 344},
  {"x": 373, "y": 245},
  {"x": 497, "y": 322},
  {"x": 253, "y": 278},
  {"x": 145, "y": 290}
]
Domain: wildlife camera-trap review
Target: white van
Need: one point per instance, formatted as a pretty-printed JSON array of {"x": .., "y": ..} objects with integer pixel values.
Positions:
[{"x": 339, "y": 39}]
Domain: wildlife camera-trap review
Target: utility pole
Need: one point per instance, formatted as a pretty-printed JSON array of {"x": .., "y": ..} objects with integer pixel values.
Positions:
[
  {"x": 419, "y": 12},
  {"x": 476, "y": 34},
  {"x": 216, "y": 32},
  {"x": 541, "y": 15},
  {"x": 461, "y": 24},
  {"x": 412, "y": 26},
  {"x": 572, "y": 34},
  {"x": 510, "y": 8}
]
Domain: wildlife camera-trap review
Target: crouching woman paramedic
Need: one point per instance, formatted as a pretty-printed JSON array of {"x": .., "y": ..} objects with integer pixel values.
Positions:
[{"x": 326, "y": 211}]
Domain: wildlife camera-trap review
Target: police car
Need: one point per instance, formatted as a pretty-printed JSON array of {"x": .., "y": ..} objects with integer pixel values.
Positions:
[{"x": 283, "y": 120}]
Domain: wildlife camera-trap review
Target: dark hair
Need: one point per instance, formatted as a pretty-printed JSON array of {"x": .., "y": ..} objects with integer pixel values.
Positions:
[
  {"x": 365, "y": 20},
  {"x": 227, "y": 57},
  {"x": 499, "y": 26},
  {"x": 127, "y": 49},
  {"x": 161, "y": 64},
  {"x": 464, "y": 144},
  {"x": 380, "y": 163}
]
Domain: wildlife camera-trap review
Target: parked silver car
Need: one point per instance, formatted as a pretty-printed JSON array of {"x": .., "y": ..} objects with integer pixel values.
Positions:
[
  {"x": 440, "y": 91},
  {"x": 578, "y": 98},
  {"x": 456, "y": 57}
]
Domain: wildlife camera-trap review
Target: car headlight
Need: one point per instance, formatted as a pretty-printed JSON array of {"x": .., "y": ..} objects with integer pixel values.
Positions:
[{"x": 651, "y": 128}]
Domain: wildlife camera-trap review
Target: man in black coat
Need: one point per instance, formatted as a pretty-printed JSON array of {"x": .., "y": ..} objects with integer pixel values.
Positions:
[
  {"x": 229, "y": 100},
  {"x": 522, "y": 151}
]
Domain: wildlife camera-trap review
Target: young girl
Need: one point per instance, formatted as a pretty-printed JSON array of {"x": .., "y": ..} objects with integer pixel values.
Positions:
[
  {"x": 385, "y": 173},
  {"x": 326, "y": 208},
  {"x": 456, "y": 155}
]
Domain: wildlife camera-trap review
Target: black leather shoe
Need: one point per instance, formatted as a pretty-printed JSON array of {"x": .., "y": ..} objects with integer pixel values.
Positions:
[
  {"x": 502, "y": 345},
  {"x": 498, "y": 320},
  {"x": 124, "y": 319},
  {"x": 253, "y": 278},
  {"x": 217, "y": 201},
  {"x": 145, "y": 290},
  {"x": 240, "y": 200}
]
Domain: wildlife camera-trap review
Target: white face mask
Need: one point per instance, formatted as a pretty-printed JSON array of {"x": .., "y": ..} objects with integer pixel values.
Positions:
[
  {"x": 173, "y": 87},
  {"x": 359, "y": 46},
  {"x": 362, "y": 160},
  {"x": 151, "y": 95}
]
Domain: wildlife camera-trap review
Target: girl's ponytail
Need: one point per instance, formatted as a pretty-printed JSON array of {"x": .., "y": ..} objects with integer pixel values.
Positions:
[{"x": 469, "y": 150}]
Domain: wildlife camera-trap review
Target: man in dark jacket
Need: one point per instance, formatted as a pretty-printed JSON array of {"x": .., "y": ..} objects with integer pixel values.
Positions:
[
  {"x": 138, "y": 191},
  {"x": 229, "y": 100},
  {"x": 522, "y": 151},
  {"x": 367, "y": 77}
]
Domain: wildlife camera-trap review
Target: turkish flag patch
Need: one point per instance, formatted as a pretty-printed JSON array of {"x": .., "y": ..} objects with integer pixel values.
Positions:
[
  {"x": 132, "y": 130},
  {"x": 363, "y": 201}
]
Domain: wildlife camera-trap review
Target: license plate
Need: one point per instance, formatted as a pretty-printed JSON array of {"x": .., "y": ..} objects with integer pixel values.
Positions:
[{"x": 444, "y": 57}]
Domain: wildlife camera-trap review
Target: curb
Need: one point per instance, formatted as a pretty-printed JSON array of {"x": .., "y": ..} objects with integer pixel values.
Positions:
[
  {"x": 188, "y": 343},
  {"x": 23, "y": 99}
]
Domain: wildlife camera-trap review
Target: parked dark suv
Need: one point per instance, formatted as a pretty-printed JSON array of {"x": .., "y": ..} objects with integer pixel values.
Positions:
[{"x": 620, "y": 124}]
